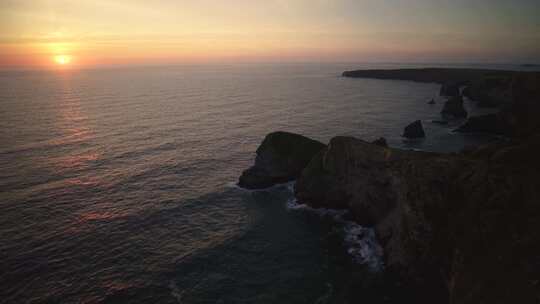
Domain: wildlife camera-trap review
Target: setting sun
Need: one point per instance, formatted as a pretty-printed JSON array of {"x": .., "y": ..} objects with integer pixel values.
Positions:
[{"x": 62, "y": 59}]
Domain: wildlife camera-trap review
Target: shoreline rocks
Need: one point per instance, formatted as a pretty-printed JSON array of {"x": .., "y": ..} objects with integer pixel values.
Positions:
[
  {"x": 381, "y": 141},
  {"x": 451, "y": 89},
  {"x": 489, "y": 123},
  {"x": 514, "y": 92},
  {"x": 414, "y": 130},
  {"x": 430, "y": 75},
  {"x": 460, "y": 228},
  {"x": 440, "y": 122},
  {"x": 490, "y": 92},
  {"x": 350, "y": 171},
  {"x": 280, "y": 158},
  {"x": 457, "y": 228},
  {"x": 454, "y": 107}
]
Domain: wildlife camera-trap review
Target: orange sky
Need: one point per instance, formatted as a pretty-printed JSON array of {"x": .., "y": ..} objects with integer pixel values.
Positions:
[{"x": 111, "y": 32}]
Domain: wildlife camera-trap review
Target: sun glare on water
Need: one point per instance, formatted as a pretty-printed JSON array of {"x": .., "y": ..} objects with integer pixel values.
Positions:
[{"x": 62, "y": 59}]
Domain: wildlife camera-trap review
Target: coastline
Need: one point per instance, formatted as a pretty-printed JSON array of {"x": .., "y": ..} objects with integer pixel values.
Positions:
[
  {"x": 458, "y": 227},
  {"x": 430, "y": 75}
]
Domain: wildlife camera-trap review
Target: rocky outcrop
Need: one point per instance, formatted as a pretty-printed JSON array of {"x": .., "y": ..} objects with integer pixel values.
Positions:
[
  {"x": 350, "y": 173},
  {"x": 432, "y": 75},
  {"x": 515, "y": 93},
  {"x": 450, "y": 89},
  {"x": 414, "y": 130},
  {"x": 381, "y": 141},
  {"x": 489, "y": 123},
  {"x": 519, "y": 101},
  {"x": 520, "y": 116},
  {"x": 280, "y": 158},
  {"x": 454, "y": 108},
  {"x": 460, "y": 227},
  {"x": 490, "y": 92}
]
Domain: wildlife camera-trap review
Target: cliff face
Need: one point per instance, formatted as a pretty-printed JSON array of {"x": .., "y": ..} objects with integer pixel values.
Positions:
[
  {"x": 280, "y": 158},
  {"x": 522, "y": 113},
  {"x": 462, "y": 227},
  {"x": 436, "y": 75},
  {"x": 514, "y": 93}
]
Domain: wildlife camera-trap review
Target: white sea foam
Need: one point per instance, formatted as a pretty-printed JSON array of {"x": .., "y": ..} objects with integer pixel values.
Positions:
[
  {"x": 361, "y": 242},
  {"x": 363, "y": 246},
  {"x": 175, "y": 292}
]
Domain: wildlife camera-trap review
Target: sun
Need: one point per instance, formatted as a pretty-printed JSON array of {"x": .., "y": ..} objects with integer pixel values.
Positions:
[{"x": 62, "y": 59}]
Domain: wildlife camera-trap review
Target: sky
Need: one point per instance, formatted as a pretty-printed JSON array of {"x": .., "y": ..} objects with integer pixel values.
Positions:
[{"x": 49, "y": 33}]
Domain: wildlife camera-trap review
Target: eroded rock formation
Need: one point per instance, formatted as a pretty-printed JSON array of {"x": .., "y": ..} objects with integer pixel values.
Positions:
[
  {"x": 489, "y": 123},
  {"x": 280, "y": 158},
  {"x": 450, "y": 89},
  {"x": 414, "y": 130},
  {"x": 454, "y": 107},
  {"x": 462, "y": 227}
]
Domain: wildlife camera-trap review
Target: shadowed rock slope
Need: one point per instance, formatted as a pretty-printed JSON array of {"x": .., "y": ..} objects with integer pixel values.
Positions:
[
  {"x": 458, "y": 228},
  {"x": 435, "y": 75},
  {"x": 280, "y": 158},
  {"x": 462, "y": 228},
  {"x": 514, "y": 93}
]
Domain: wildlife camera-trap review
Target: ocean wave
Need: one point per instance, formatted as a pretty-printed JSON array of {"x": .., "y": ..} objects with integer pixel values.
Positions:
[{"x": 361, "y": 242}]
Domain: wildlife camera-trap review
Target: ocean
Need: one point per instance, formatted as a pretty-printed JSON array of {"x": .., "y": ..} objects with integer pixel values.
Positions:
[{"x": 118, "y": 185}]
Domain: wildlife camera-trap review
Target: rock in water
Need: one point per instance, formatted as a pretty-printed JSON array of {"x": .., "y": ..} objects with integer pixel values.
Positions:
[
  {"x": 414, "y": 130},
  {"x": 380, "y": 142},
  {"x": 450, "y": 89},
  {"x": 454, "y": 107},
  {"x": 432, "y": 102},
  {"x": 489, "y": 123},
  {"x": 280, "y": 158}
]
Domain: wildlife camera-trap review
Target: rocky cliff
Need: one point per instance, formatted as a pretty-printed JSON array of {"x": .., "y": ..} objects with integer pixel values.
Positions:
[
  {"x": 448, "y": 76},
  {"x": 280, "y": 158},
  {"x": 461, "y": 227},
  {"x": 458, "y": 228},
  {"x": 514, "y": 93}
]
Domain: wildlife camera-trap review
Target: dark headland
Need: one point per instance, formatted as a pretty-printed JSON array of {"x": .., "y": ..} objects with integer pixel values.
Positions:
[
  {"x": 436, "y": 75},
  {"x": 455, "y": 228}
]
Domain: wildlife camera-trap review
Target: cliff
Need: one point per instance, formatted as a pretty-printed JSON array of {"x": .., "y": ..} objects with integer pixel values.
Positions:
[
  {"x": 431, "y": 75},
  {"x": 281, "y": 157},
  {"x": 514, "y": 93},
  {"x": 458, "y": 228},
  {"x": 461, "y": 227}
]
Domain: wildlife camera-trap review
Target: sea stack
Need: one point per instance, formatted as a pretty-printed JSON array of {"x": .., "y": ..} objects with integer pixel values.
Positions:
[
  {"x": 280, "y": 158},
  {"x": 454, "y": 107},
  {"x": 414, "y": 130},
  {"x": 381, "y": 141},
  {"x": 450, "y": 89}
]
